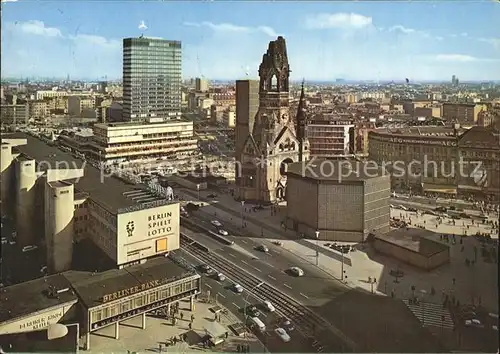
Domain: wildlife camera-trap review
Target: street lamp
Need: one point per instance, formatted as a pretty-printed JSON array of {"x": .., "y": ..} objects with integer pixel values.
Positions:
[
  {"x": 422, "y": 305},
  {"x": 198, "y": 189},
  {"x": 317, "y": 252},
  {"x": 241, "y": 213}
]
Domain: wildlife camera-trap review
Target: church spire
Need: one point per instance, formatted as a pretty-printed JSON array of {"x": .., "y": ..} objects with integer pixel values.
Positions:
[{"x": 301, "y": 121}]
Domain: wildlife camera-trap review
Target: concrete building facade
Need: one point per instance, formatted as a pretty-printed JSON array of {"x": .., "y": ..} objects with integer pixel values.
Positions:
[
  {"x": 463, "y": 113},
  {"x": 342, "y": 200},
  {"x": 15, "y": 113}
]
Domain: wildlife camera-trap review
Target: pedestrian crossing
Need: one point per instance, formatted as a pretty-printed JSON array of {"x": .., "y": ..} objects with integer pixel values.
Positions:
[{"x": 431, "y": 314}]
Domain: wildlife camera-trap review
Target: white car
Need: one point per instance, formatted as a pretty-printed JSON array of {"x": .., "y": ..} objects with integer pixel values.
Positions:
[
  {"x": 216, "y": 223},
  {"x": 4, "y": 240},
  {"x": 29, "y": 248},
  {"x": 223, "y": 232},
  {"x": 237, "y": 288},
  {"x": 296, "y": 271},
  {"x": 282, "y": 334},
  {"x": 220, "y": 277},
  {"x": 473, "y": 323},
  {"x": 270, "y": 307}
]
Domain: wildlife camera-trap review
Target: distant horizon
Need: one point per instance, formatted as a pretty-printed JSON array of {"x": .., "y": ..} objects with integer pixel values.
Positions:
[
  {"x": 357, "y": 41},
  {"x": 295, "y": 81}
]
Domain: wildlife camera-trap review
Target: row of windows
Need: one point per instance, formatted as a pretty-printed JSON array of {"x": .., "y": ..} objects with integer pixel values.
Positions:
[{"x": 143, "y": 300}]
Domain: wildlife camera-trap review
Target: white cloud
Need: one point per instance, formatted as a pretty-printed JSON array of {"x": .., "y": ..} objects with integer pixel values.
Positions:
[
  {"x": 37, "y": 28},
  {"x": 9, "y": 0},
  {"x": 495, "y": 42},
  {"x": 229, "y": 27},
  {"x": 402, "y": 29},
  {"x": 338, "y": 20},
  {"x": 460, "y": 58},
  {"x": 96, "y": 40}
]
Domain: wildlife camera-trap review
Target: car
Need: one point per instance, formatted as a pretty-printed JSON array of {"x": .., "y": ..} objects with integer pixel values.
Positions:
[
  {"x": 223, "y": 232},
  {"x": 12, "y": 242},
  {"x": 14, "y": 234},
  {"x": 402, "y": 207},
  {"x": 237, "y": 288},
  {"x": 220, "y": 277},
  {"x": 413, "y": 210},
  {"x": 296, "y": 271},
  {"x": 441, "y": 209},
  {"x": 392, "y": 206},
  {"x": 269, "y": 306},
  {"x": 205, "y": 268},
  {"x": 473, "y": 323},
  {"x": 253, "y": 311},
  {"x": 216, "y": 223},
  {"x": 212, "y": 196},
  {"x": 29, "y": 248},
  {"x": 282, "y": 334},
  {"x": 262, "y": 248},
  {"x": 4, "y": 240},
  {"x": 287, "y": 324}
]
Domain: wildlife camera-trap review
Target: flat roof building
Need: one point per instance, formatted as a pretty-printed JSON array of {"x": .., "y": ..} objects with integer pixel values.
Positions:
[
  {"x": 342, "y": 200},
  {"x": 152, "y": 70}
]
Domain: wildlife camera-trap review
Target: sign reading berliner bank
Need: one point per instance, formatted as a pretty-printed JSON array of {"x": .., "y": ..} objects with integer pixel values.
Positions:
[{"x": 130, "y": 291}]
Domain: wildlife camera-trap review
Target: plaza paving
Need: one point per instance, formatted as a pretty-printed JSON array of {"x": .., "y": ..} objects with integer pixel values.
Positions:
[{"x": 160, "y": 330}]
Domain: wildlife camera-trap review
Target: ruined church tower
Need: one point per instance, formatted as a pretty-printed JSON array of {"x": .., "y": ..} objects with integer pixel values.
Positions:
[{"x": 273, "y": 143}]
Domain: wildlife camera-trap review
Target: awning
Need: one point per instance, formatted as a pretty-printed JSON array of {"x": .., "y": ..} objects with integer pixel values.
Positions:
[
  {"x": 215, "y": 329},
  {"x": 439, "y": 188}
]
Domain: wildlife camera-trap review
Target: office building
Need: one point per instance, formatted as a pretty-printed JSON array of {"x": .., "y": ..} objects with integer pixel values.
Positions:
[
  {"x": 463, "y": 113},
  {"x": 15, "y": 113},
  {"x": 330, "y": 137},
  {"x": 201, "y": 85},
  {"x": 152, "y": 70},
  {"x": 343, "y": 200},
  {"x": 443, "y": 150}
]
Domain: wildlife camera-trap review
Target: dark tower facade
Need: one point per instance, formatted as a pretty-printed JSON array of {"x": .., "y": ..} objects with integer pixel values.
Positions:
[
  {"x": 273, "y": 142},
  {"x": 301, "y": 121}
]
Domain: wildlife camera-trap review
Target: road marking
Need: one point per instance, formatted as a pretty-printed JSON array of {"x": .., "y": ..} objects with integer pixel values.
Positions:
[
  {"x": 246, "y": 301},
  {"x": 232, "y": 255},
  {"x": 307, "y": 297},
  {"x": 219, "y": 294},
  {"x": 263, "y": 314},
  {"x": 269, "y": 334},
  {"x": 243, "y": 241},
  {"x": 243, "y": 261},
  {"x": 236, "y": 305},
  {"x": 270, "y": 265},
  {"x": 257, "y": 269},
  {"x": 286, "y": 285},
  {"x": 270, "y": 276},
  {"x": 208, "y": 286}
]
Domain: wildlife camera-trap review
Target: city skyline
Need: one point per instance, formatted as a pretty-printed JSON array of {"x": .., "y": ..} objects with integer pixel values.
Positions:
[{"x": 421, "y": 41}]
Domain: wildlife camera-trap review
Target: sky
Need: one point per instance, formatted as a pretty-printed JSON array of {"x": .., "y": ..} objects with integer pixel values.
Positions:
[{"x": 353, "y": 40}]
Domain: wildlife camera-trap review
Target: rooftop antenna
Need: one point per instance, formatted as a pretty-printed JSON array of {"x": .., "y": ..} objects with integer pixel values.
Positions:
[{"x": 142, "y": 27}]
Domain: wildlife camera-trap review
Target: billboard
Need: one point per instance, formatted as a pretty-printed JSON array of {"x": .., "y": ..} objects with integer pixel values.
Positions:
[{"x": 148, "y": 232}]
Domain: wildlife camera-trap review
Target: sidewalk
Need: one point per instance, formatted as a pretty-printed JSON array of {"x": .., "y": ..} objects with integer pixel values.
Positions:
[
  {"x": 471, "y": 282},
  {"x": 159, "y": 331}
]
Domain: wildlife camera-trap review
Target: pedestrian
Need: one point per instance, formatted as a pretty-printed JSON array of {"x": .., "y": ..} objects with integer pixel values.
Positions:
[
  {"x": 190, "y": 325},
  {"x": 453, "y": 280},
  {"x": 192, "y": 318},
  {"x": 182, "y": 316}
]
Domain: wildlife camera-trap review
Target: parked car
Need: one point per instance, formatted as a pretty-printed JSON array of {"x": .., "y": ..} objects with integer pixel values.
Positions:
[
  {"x": 269, "y": 306},
  {"x": 205, "y": 268},
  {"x": 237, "y": 288},
  {"x": 29, "y": 248},
  {"x": 4, "y": 240},
  {"x": 287, "y": 324},
  {"x": 282, "y": 334},
  {"x": 296, "y": 271},
  {"x": 253, "y": 311},
  {"x": 262, "y": 248},
  {"x": 216, "y": 223},
  {"x": 473, "y": 323},
  {"x": 220, "y": 277},
  {"x": 223, "y": 232},
  {"x": 212, "y": 196}
]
